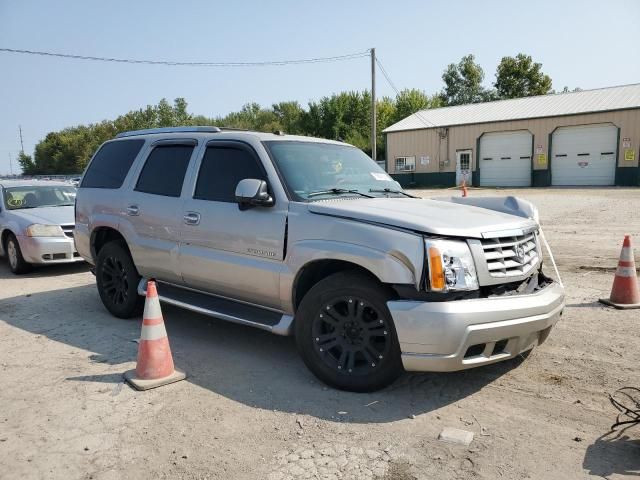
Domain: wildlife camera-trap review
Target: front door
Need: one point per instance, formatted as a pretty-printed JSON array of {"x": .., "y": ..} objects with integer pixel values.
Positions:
[
  {"x": 463, "y": 166},
  {"x": 224, "y": 250}
]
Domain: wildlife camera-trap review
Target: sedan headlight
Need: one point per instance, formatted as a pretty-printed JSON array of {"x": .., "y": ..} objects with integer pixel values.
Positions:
[
  {"x": 38, "y": 230},
  {"x": 451, "y": 266}
]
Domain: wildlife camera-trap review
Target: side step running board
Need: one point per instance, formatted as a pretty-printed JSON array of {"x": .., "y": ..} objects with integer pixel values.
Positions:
[{"x": 222, "y": 308}]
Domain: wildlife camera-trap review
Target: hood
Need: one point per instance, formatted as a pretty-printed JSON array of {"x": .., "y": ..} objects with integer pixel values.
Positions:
[
  {"x": 47, "y": 215},
  {"x": 427, "y": 216}
]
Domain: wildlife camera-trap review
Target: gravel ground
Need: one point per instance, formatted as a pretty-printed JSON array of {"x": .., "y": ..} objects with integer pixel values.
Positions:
[{"x": 250, "y": 409}]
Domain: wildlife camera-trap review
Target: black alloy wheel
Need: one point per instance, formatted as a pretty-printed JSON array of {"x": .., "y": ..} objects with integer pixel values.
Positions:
[
  {"x": 114, "y": 280},
  {"x": 118, "y": 279},
  {"x": 351, "y": 335},
  {"x": 345, "y": 333}
]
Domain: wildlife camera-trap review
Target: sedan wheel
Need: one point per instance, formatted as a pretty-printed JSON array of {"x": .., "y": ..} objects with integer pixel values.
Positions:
[
  {"x": 13, "y": 254},
  {"x": 17, "y": 263}
]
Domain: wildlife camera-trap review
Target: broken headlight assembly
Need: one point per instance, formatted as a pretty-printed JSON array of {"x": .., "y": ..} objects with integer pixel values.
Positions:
[{"x": 450, "y": 266}]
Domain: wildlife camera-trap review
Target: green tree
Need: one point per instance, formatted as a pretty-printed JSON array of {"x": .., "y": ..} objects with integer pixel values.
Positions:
[
  {"x": 386, "y": 115},
  {"x": 410, "y": 101},
  {"x": 289, "y": 115},
  {"x": 520, "y": 76},
  {"x": 463, "y": 83},
  {"x": 26, "y": 163}
]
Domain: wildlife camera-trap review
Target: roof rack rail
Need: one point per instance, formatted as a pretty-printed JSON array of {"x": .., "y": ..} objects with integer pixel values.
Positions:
[{"x": 147, "y": 131}]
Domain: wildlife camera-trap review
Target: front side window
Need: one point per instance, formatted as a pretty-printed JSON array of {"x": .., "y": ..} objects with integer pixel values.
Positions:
[
  {"x": 221, "y": 170},
  {"x": 39, "y": 196},
  {"x": 111, "y": 164},
  {"x": 163, "y": 172},
  {"x": 309, "y": 168}
]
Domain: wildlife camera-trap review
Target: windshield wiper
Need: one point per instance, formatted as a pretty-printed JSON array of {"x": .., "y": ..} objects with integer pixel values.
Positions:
[
  {"x": 388, "y": 190},
  {"x": 337, "y": 191}
]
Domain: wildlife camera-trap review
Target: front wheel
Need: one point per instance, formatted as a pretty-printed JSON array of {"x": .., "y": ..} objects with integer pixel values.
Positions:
[
  {"x": 345, "y": 333},
  {"x": 17, "y": 263},
  {"x": 117, "y": 280}
]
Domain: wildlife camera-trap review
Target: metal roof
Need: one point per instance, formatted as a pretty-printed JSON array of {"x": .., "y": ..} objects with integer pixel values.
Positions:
[{"x": 586, "y": 101}]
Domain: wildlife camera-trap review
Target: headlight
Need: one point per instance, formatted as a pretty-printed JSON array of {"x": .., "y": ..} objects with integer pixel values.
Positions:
[
  {"x": 451, "y": 266},
  {"x": 37, "y": 230}
]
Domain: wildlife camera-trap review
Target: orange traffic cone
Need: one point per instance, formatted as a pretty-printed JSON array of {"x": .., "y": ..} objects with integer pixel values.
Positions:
[
  {"x": 625, "y": 293},
  {"x": 155, "y": 363},
  {"x": 464, "y": 188}
]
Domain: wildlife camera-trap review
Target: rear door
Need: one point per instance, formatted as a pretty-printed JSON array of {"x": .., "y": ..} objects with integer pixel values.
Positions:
[
  {"x": 227, "y": 251},
  {"x": 153, "y": 210}
]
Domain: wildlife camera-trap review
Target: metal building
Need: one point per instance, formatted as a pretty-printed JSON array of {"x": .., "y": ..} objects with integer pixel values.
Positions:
[{"x": 591, "y": 137}]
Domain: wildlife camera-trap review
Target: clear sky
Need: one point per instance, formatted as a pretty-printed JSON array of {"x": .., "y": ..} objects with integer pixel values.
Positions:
[{"x": 581, "y": 43}]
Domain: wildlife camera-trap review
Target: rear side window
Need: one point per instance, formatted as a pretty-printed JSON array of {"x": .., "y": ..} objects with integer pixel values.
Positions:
[
  {"x": 111, "y": 164},
  {"x": 221, "y": 170},
  {"x": 163, "y": 172}
]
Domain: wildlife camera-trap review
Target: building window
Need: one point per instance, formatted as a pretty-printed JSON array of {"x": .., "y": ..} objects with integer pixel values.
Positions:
[
  {"x": 405, "y": 164},
  {"x": 465, "y": 162}
]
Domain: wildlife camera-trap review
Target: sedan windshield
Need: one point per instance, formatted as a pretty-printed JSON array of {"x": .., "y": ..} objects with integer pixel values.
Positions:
[
  {"x": 35, "y": 196},
  {"x": 315, "y": 171}
]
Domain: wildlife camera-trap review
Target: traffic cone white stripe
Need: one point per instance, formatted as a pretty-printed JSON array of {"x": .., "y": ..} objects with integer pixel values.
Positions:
[
  {"x": 626, "y": 255},
  {"x": 152, "y": 308},
  {"x": 153, "y": 332},
  {"x": 626, "y": 272}
]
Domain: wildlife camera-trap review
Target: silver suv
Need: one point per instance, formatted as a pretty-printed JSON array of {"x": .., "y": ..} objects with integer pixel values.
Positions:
[{"x": 308, "y": 237}]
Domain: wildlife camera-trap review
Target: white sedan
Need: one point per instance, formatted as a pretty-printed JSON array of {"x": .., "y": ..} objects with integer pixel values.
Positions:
[{"x": 37, "y": 223}]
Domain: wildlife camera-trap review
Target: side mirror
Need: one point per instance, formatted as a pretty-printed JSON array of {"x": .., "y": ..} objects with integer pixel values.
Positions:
[{"x": 252, "y": 192}]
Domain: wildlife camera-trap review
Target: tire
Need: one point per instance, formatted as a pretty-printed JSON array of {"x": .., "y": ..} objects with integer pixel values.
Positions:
[
  {"x": 117, "y": 279},
  {"x": 16, "y": 261},
  {"x": 345, "y": 333}
]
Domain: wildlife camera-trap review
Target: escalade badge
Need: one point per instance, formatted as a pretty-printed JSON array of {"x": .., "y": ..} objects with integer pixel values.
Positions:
[{"x": 519, "y": 254}]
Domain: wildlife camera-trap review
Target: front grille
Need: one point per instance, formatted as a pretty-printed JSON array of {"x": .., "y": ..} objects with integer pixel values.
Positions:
[{"x": 511, "y": 256}]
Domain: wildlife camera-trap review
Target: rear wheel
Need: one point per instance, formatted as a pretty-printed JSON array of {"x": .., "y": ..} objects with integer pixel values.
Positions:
[
  {"x": 345, "y": 333},
  {"x": 17, "y": 263},
  {"x": 118, "y": 279}
]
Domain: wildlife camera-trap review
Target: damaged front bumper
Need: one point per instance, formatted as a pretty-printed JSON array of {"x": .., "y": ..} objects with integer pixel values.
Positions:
[{"x": 461, "y": 334}]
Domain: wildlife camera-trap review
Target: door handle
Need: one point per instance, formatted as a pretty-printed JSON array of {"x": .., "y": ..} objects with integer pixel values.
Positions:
[
  {"x": 192, "y": 218},
  {"x": 133, "y": 210}
]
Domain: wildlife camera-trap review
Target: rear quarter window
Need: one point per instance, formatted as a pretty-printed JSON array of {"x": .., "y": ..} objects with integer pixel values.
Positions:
[{"x": 111, "y": 164}]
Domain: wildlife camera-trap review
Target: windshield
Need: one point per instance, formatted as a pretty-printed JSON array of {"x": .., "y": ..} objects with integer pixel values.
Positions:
[
  {"x": 34, "y": 196},
  {"x": 314, "y": 170}
]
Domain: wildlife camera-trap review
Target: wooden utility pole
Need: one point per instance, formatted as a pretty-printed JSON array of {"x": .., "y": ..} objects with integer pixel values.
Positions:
[
  {"x": 10, "y": 164},
  {"x": 21, "y": 144},
  {"x": 373, "y": 103}
]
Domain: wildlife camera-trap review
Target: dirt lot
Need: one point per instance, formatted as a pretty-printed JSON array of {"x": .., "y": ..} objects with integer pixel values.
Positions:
[{"x": 250, "y": 409}]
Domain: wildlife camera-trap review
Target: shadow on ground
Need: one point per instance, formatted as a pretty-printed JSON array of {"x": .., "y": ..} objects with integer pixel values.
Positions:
[
  {"x": 48, "y": 271},
  {"x": 246, "y": 365},
  {"x": 613, "y": 453}
]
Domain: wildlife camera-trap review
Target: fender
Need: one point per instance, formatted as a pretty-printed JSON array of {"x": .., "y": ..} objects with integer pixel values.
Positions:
[
  {"x": 13, "y": 227},
  {"x": 391, "y": 267}
]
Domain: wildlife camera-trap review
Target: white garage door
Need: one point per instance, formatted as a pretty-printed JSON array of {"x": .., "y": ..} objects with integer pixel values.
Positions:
[
  {"x": 584, "y": 155},
  {"x": 505, "y": 159}
]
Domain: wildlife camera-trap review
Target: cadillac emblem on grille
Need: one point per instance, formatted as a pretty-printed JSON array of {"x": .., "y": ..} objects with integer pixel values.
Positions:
[{"x": 519, "y": 250}]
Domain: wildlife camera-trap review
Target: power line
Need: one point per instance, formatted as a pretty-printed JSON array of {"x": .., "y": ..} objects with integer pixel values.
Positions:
[
  {"x": 170, "y": 63},
  {"x": 386, "y": 75},
  {"x": 426, "y": 122}
]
